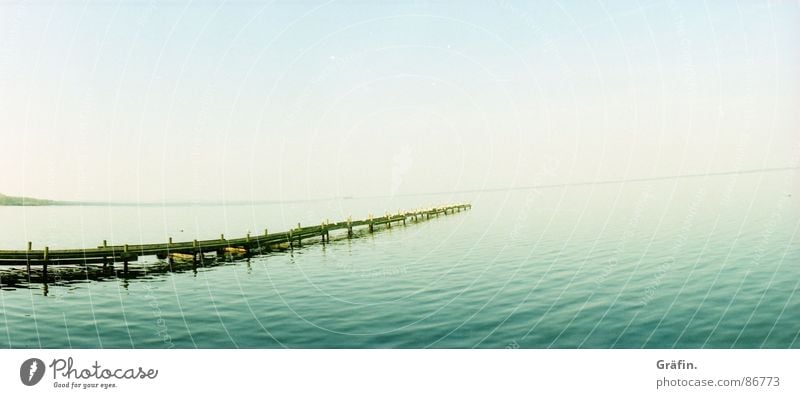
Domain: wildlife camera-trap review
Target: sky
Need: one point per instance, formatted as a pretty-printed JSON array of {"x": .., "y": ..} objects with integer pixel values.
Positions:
[{"x": 238, "y": 101}]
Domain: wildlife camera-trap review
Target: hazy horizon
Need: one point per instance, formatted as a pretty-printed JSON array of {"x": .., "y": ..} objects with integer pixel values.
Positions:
[{"x": 187, "y": 102}]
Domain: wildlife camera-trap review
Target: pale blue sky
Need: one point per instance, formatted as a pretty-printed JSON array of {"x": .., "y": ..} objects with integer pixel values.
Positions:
[{"x": 250, "y": 100}]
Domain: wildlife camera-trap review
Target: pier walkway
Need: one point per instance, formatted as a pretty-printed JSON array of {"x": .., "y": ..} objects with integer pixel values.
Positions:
[{"x": 106, "y": 255}]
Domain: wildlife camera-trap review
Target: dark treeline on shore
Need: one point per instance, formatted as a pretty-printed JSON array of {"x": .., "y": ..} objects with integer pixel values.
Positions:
[{"x": 23, "y": 201}]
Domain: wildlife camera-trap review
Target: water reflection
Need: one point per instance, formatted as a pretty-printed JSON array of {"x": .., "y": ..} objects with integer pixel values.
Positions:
[{"x": 19, "y": 278}]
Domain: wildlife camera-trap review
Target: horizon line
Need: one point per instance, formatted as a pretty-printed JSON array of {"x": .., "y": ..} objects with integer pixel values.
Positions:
[{"x": 470, "y": 190}]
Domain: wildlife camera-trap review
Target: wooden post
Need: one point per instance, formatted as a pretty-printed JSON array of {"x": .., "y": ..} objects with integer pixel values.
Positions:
[
  {"x": 322, "y": 227},
  {"x": 125, "y": 261},
  {"x": 299, "y": 236},
  {"x": 44, "y": 265},
  {"x": 194, "y": 252},
  {"x": 350, "y": 226},
  {"x": 169, "y": 251},
  {"x": 105, "y": 259},
  {"x": 170, "y": 260},
  {"x": 371, "y": 228},
  {"x": 28, "y": 260},
  {"x": 290, "y": 239}
]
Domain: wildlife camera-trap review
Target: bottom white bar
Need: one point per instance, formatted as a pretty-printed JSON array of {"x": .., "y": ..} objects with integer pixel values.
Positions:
[{"x": 402, "y": 373}]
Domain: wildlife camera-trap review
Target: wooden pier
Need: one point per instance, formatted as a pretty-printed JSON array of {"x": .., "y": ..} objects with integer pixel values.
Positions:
[{"x": 107, "y": 255}]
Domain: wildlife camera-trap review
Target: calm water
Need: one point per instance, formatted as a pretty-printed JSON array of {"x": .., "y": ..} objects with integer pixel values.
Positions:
[{"x": 692, "y": 263}]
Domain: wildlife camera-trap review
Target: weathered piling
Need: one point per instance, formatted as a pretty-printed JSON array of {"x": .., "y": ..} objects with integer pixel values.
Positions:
[
  {"x": 168, "y": 254},
  {"x": 125, "y": 260},
  {"x": 105, "y": 245},
  {"x": 44, "y": 265},
  {"x": 350, "y": 226},
  {"x": 28, "y": 260}
]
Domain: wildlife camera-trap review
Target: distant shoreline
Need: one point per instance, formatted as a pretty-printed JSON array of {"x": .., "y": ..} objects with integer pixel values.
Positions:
[{"x": 21, "y": 201}]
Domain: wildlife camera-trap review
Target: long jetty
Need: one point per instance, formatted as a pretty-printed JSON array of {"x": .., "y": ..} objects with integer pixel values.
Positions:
[{"x": 194, "y": 251}]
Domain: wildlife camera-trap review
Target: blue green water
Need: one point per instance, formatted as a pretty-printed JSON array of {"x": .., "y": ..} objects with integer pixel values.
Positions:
[{"x": 705, "y": 262}]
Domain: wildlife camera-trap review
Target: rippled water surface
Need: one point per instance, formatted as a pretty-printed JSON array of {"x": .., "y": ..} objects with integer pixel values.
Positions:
[{"x": 711, "y": 262}]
